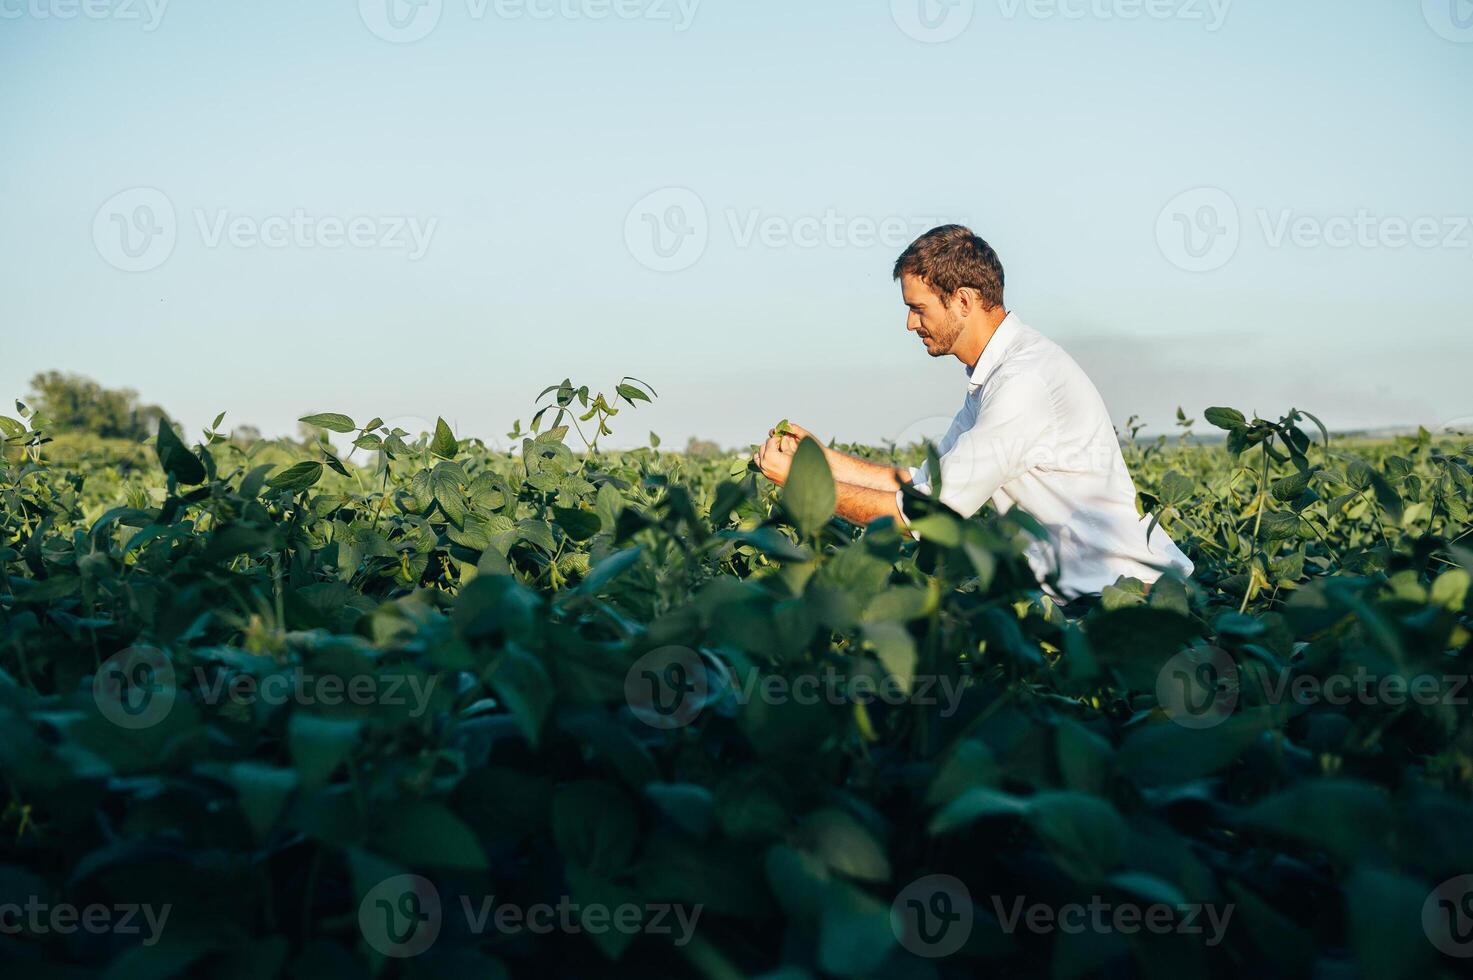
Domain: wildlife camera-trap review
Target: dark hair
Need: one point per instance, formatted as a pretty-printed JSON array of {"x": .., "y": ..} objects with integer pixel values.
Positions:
[{"x": 951, "y": 257}]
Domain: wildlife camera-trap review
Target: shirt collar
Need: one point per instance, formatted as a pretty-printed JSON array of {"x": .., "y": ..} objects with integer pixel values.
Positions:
[{"x": 996, "y": 350}]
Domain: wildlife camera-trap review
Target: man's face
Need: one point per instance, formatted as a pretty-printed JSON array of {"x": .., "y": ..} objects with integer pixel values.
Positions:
[{"x": 929, "y": 318}]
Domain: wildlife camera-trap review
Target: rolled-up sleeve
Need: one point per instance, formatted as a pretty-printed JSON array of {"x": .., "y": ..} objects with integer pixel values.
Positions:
[{"x": 1013, "y": 421}]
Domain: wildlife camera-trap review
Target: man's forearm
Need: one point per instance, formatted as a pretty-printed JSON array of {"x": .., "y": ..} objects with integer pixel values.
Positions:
[
  {"x": 861, "y": 472},
  {"x": 864, "y": 505}
]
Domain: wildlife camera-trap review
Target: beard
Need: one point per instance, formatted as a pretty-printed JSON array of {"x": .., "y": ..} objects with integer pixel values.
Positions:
[{"x": 944, "y": 339}]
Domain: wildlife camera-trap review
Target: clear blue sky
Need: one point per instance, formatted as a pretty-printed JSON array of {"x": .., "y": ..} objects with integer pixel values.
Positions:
[{"x": 1063, "y": 133}]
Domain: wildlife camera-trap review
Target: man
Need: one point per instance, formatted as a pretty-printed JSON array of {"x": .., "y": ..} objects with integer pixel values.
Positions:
[{"x": 1032, "y": 433}]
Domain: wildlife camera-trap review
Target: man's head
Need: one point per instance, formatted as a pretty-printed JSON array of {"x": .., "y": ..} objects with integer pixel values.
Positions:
[{"x": 951, "y": 279}]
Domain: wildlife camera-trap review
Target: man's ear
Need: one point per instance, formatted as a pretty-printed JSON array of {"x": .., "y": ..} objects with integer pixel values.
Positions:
[{"x": 965, "y": 300}]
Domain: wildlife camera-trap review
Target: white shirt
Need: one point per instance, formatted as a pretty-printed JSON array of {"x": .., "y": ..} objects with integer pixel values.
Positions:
[{"x": 1034, "y": 433}]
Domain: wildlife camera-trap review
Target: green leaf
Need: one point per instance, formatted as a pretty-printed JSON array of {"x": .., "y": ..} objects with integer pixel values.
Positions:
[
  {"x": 524, "y": 686},
  {"x": 422, "y": 834},
  {"x": 689, "y": 806},
  {"x": 895, "y": 649},
  {"x": 844, "y": 844},
  {"x": 319, "y": 745},
  {"x": 1176, "y": 489},
  {"x": 579, "y": 525},
  {"x": 1290, "y": 487},
  {"x": 332, "y": 421},
  {"x": 1450, "y": 590},
  {"x": 1350, "y": 820},
  {"x": 446, "y": 481},
  {"x": 537, "y": 532},
  {"x": 608, "y": 569},
  {"x": 980, "y": 803},
  {"x": 335, "y": 464},
  {"x": 771, "y": 541},
  {"x": 444, "y": 444},
  {"x": 176, "y": 459},
  {"x": 263, "y": 792},
  {"x": 1385, "y": 926},
  {"x": 632, "y": 394},
  {"x": 1226, "y": 418},
  {"x": 297, "y": 478},
  {"x": 809, "y": 496},
  {"x": 595, "y": 826},
  {"x": 855, "y": 935}
]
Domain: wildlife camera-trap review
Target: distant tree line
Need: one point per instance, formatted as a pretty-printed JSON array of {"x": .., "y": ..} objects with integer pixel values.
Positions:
[
  {"x": 76, "y": 404},
  {"x": 72, "y": 403}
]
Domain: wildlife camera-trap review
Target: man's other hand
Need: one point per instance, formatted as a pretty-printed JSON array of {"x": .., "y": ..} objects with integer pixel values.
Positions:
[
  {"x": 775, "y": 458},
  {"x": 790, "y": 439}
]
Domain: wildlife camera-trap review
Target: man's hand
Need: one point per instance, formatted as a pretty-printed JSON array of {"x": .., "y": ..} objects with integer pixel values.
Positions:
[
  {"x": 774, "y": 459},
  {"x": 790, "y": 435}
]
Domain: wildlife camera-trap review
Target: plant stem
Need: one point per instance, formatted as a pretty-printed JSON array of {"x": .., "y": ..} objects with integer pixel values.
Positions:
[{"x": 1257, "y": 526}]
